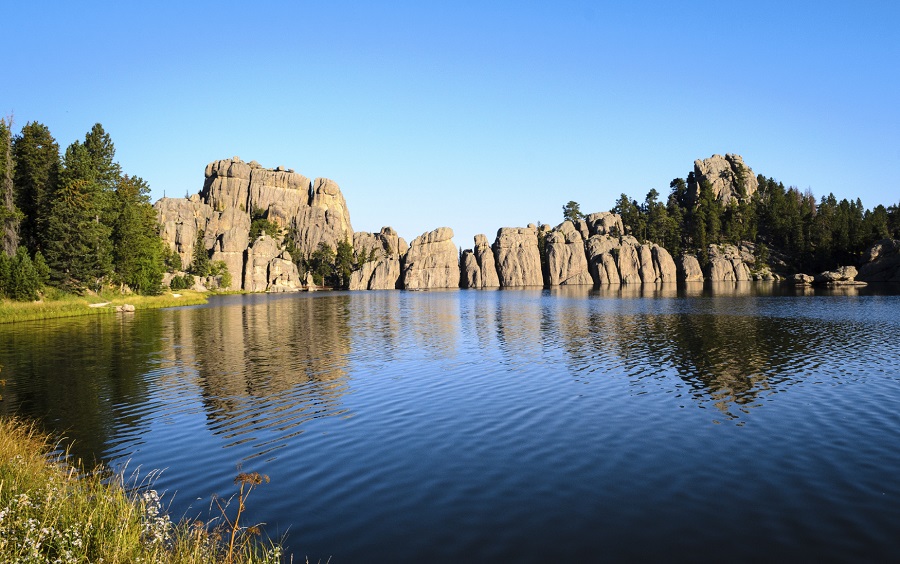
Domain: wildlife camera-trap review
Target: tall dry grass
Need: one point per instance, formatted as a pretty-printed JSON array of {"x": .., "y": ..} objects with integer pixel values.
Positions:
[{"x": 51, "y": 512}]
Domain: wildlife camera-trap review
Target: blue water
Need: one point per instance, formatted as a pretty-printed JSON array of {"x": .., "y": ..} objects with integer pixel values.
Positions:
[{"x": 733, "y": 423}]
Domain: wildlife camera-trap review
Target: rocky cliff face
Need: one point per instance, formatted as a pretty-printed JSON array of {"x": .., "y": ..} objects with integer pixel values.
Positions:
[
  {"x": 431, "y": 261},
  {"x": 566, "y": 259},
  {"x": 728, "y": 176},
  {"x": 477, "y": 266},
  {"x": 517, "y": 256},
  {"x": 378, "y": 255},
  {"x": 233, "y": 193}
]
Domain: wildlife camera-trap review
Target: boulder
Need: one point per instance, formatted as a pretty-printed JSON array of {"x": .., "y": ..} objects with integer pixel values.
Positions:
[
  {"x": 431, "y": 261},
  {"x": 689, "y": 269},
  {"x": 517, "y": 256},
  {"x": 841, "y": 276},
  {"x": 801, "y": 279},
  {"x": 664, "y": 265}
]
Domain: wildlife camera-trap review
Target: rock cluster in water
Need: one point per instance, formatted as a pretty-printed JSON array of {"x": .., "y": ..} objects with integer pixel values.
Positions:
[{"x": 596, "y": 249}]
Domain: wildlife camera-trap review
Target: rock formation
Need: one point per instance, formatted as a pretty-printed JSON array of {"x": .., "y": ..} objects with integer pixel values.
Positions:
[
  {"x": 841, "y": 276},
  {"x": 728, "y": 177},
  {"x": 881, "y": 263},
  {"x": 234, "y": 194},
  {"x": 517, "y": 256},
  {"x": 477, "y": 266},
  {"x": 566, "y": 259},
  {"x": 431, "y": 261},
  {"x": 726, "y": 264},
  {"x": 689, "y": 269},
  {"x": 623, "y": 260},
  {"x": 378, "y": 255}
]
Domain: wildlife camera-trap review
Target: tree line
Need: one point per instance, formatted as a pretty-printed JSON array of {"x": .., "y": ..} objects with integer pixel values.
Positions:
[
  {"x": 73, "y": 221},
  {"x": 812, "y": 235}
]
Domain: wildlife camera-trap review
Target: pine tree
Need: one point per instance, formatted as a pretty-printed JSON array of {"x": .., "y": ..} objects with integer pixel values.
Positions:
[
  {"x": 36, "y": 156},
  {"x": 138, "y": 251},
  {"x": 9, "y": 214},
  {"x": 200, "y": 262},
  {"x": 77, "y": 242}
]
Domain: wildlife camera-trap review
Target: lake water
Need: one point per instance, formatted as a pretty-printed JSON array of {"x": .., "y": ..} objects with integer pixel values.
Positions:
[{"x": 732, "y": 423}]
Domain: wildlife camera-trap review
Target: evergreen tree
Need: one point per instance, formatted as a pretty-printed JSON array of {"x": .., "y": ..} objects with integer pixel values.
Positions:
[
  {"x": 9, "y": 214},
  {"x": 36, "y": 157},
  {"x": 343, "y": 264},
  {"x": 77, "y": 245},
  {"x": 138, "y": 250},
  {"x": 572, "y": 212},
  {"x": 200, "y": 258}
]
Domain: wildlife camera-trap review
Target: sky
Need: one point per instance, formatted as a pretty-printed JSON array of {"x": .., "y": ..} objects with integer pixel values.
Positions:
[{"x": 471, "y": 115}]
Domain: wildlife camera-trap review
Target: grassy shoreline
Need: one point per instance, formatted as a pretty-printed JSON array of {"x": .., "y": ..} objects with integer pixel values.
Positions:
[
  {"x": 104, "y": 304},
  {"x": 52, "y": 512}
]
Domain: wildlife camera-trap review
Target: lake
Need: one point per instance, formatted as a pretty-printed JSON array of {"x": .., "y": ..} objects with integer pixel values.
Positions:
[{"x": 735, "y": 422}]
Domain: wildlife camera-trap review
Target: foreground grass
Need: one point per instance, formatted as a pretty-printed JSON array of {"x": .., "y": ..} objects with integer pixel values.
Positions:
[
  {"x": 49, "y": 512},
  {"x": 68, "y": 305}
]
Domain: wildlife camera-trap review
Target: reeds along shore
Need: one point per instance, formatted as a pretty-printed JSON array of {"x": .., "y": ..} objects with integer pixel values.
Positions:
[{"x": 52, "y": 512}]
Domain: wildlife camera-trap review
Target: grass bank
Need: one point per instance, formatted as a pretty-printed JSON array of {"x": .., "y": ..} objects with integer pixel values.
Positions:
[
  {"x": 50, "y": 512},
  {"x": 67, "y": 305}
]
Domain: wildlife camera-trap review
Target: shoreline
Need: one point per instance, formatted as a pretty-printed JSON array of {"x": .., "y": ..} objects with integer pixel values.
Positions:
[{"x": 76, "y": 306}]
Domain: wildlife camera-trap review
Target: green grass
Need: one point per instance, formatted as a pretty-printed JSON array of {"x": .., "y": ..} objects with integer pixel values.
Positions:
[
  {"x": 67, "y": 305},
  {"x": 51, "y": 512}
]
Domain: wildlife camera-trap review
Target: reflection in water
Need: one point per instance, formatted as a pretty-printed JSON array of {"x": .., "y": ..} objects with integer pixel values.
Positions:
[
  {"x": 263, "y": 367},
  {"x": 542, "y": 425}
]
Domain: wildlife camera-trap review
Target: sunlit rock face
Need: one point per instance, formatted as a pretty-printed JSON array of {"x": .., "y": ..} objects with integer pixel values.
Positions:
[
  {"x": 432, "y": 261},
  {"x": 378, "y": 256},
  {"x": 517, "y": 256},
  {"x": 235, "y": 193},
  {"x": 728, "y": 177}
]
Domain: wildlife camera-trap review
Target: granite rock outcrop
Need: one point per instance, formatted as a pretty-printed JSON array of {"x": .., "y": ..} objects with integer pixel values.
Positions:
[
  {"x": 517, "y": 256},
  {"x": 728, "y": 177},
  {"x": 431, "y": 262},
  {"x": 235, "y": 193}
]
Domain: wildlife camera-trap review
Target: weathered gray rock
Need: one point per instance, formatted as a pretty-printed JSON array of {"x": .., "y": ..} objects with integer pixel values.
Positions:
[
  {"x": 517, "y": 257},
  {"x": 309, "y": 283},
  {"x": 566, "y": 260},
  {"x": 689, "y": 269},
  {"x": 605, "y": 223},
  {"x": 881, "y": 262},
  {"x": 802, "y": 279},
  {"x": 663, "y": 265},
  {"x": 629, "y": 263},
  {"x": 431, "y": 261},
  {"x": 315, "y": 212},
  {"x": 378, "y": 256},
  {"x": 726, "y": 264},
  {"x": 844, "y": 275},
  {"x": 484, "y": 258},
  {"x": 469, "y": 271},
  {"x": 728, "y": 177},
  {"x": 268, "y": 268},
  {"x": 180, "y": 219}
]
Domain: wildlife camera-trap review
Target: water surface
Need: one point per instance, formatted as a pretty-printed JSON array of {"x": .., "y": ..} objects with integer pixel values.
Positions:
[{"x": 740, "y": 422}]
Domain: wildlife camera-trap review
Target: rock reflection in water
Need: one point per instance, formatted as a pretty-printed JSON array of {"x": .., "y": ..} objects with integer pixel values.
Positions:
[{"x": 264, "y": 366}]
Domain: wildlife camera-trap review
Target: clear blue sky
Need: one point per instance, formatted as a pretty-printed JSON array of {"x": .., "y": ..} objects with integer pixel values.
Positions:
[{"x": 472, "y": 115}]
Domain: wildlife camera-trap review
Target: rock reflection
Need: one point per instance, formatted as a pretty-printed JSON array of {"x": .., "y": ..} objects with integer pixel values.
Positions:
[
  {"x": 263, "y": 367},
  {"x": 728, "y": 358}
]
